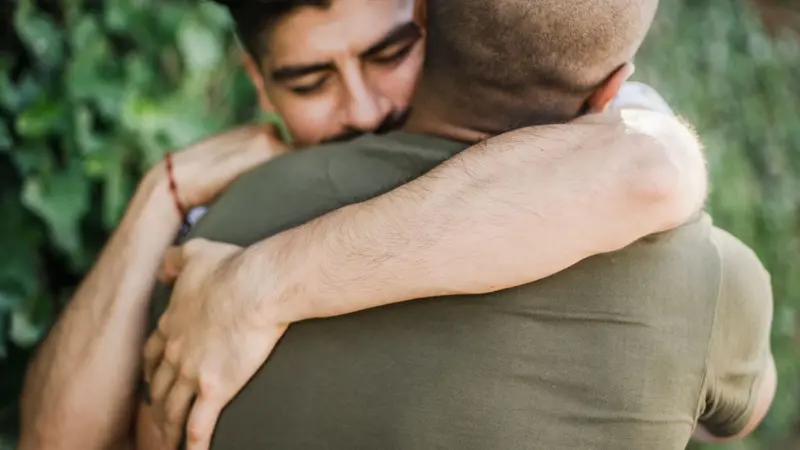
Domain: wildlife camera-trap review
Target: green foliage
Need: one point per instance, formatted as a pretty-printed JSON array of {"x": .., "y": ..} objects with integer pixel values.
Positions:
[{"x": 90, "y": 96}]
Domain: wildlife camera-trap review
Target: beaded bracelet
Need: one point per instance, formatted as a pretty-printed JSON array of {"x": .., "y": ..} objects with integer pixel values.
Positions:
[{"x": 173, "y": 187}]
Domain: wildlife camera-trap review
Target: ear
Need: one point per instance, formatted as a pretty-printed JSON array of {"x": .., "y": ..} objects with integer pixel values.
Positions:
[
  {"x": 421, "y": 13},
  {"x": 603, "y": 96},
  {"x": 257, "y": 78}
]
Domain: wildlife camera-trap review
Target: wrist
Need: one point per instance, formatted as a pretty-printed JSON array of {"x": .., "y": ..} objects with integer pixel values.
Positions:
[
  {"x": 264, "y": 274},
  {"x": 154, "y": 200}
]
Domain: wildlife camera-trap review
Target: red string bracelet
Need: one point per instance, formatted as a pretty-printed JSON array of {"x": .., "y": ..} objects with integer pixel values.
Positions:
[{"x": 173, "y": 187}]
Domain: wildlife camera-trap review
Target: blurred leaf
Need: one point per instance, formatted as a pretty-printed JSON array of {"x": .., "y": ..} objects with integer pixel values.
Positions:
[
  {"x": 7, "y": 443},
  {"x": 26, "y": 91},
  {"x": 5, "y": 137},
  {"x": 38, "y": 32},
  {"x": 91, "y": 75},
  {"x": 34, "y": 157},
  {"x": 19, "y": 260},
  {"x": 25, "y": 331},
  {"x": 117, "y": 15},
  {"x": 48, "y": 115},
  {"x": 61, "y": 201},
  {"x": 200, "y": 46},
  {"x": 216, "y": 16},
  {"x": 16, "y": 96},
  {"x": 3, "y": 332},
  {"x": 83, "y": 132}
]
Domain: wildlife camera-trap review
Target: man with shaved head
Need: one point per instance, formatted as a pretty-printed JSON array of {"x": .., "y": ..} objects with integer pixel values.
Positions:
[
  {"x": 637, "y": 349},
  {"x": 548, "y": 53}
]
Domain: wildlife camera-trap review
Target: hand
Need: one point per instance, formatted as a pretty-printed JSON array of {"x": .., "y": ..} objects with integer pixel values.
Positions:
[
  {"x": 209, "y": 342},
  {"x": 203, "y": 170}
]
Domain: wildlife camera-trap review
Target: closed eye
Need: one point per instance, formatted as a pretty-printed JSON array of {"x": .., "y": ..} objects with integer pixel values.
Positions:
[
  {"x": 309, "y": 88},
  {"x": 389, "y": 57}
]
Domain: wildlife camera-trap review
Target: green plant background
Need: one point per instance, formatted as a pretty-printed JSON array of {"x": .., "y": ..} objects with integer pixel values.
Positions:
[{"x": 93, "y": 93}]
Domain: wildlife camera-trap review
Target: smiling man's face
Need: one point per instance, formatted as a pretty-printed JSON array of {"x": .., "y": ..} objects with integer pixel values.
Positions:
[{"x": 335, "y": 72}]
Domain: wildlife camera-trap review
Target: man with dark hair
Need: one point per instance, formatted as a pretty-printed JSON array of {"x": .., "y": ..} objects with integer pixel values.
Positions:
[
  {"x": 253, "y": 18},
  {"x": 627, "y": 350}
]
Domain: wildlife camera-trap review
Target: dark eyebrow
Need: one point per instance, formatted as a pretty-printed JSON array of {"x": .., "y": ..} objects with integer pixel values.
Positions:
[
  {"x": 288, "y": 72},
  {"x": 406, "y": 31}
]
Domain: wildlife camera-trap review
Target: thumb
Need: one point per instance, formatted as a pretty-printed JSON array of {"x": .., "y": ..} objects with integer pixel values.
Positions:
[{"x": 171, "y": 265}]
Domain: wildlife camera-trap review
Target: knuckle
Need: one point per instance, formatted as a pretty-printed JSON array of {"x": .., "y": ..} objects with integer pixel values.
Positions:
[
  {"x": 194, "y": 433},
  {"x": 163, "y": 323},
  {"x": 194, "y": 244},
  {"x": 206, "y": 386},
  {"x": 172, "y": 352},
  {"x": 185, "y": 372}
]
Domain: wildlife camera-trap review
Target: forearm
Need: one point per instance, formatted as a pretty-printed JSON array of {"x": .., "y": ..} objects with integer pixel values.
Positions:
[
  {"x": 80, "y": 386},
  {"x": 499, "y": 215}
]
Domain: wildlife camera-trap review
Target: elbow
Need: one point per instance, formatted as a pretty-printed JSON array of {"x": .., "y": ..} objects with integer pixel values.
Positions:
[{"x": 670, "y": 178}]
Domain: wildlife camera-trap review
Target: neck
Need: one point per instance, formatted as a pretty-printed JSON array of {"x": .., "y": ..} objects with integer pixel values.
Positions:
[
  {"x": 428, "y": 116},
  {"x": 426, "y": 124}
]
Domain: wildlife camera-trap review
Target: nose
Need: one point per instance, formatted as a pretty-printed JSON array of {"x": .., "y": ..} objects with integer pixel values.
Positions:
[{"x": 366, "y": 107}]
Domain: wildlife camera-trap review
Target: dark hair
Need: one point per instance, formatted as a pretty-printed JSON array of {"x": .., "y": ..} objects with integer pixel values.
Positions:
[
  {"x": 253, "y": 17},
  {"x": 527, "y": 62}
]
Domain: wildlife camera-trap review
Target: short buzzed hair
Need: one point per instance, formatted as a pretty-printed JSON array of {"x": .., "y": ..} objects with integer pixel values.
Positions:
[{"x": 527, "y": 62}]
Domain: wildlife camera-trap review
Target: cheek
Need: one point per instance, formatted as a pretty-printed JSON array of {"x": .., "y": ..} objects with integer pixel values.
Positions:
[
  {"x": 309, "y": 120},
  {"x": 398, "y": 84}
]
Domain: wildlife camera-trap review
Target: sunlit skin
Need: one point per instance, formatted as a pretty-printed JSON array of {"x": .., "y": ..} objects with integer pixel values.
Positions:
[{"x": 334, "y": 73}]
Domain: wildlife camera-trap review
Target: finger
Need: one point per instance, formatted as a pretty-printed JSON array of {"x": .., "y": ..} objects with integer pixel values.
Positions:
[
  {"x": 194, "y": 246},
  {"x": 176, "y": 409},
  {"x": 202, "y": 421},
  {"x": 171, "y": 265},
  {"x": 153, "y": 353},
  {"x": 163, "y": 380}
]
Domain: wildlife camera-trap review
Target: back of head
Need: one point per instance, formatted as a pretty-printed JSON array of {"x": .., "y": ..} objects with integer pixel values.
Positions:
[{"x": 526, "y": 62}]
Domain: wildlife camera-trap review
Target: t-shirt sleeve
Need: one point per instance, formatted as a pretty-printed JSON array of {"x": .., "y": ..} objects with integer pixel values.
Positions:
[{"x": 740, "y": 346}]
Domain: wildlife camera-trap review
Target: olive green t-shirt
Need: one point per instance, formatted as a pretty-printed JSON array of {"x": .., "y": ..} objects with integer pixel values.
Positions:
[{"x": 626, "y": 350}]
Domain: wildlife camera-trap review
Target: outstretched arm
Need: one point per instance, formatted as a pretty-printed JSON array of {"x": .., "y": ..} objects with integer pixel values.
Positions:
[
  {"x": 80, "y": 386},
  {"x": 509, "y": 211},
  {"x": 79, "y": 390}
]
